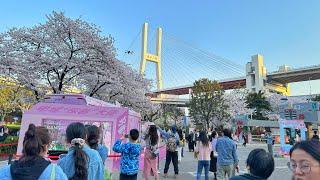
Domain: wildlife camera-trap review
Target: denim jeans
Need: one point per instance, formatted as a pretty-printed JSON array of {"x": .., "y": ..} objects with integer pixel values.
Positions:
[{"x": 205, "y": 165}]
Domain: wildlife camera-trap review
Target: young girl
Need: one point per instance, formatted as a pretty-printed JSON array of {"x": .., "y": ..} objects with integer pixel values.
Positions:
[
  {"x": 150, "y": 159},
  {"x": 203, "y": 149},
  {"x": 93, "y": 141},
  {"x": 32, "y": 164},
  {"x": 81, "y": 162}
]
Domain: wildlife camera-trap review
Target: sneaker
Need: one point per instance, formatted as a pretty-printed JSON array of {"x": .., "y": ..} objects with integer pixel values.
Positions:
[
  {"x": 165, "y": 175},
  {"x": 176, "y": 176}
]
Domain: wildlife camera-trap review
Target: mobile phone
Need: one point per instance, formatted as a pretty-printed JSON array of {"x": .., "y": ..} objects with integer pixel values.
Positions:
[{"x": 126, "y": 136}]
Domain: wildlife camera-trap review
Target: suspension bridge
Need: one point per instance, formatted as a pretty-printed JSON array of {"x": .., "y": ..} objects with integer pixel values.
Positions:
[{"x": 173, "y": 65}]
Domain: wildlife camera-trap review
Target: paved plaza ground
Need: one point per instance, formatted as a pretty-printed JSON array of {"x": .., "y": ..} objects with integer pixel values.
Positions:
[{"x": 188, "y": 166}]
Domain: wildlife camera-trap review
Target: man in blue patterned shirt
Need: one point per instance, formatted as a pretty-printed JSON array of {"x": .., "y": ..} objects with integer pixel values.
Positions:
[
  {"x": 227, "y": 159},
  {"x": 130, "y": 155}
]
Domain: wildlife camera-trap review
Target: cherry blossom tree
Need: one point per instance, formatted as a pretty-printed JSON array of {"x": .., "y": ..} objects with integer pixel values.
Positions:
[
  {"x": 65, "y": 53},
  {"x": 236, "y": 101}
]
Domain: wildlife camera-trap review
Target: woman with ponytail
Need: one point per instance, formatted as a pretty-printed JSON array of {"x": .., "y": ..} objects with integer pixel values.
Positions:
[
  {"x": 33, "y": 163},
  {"x": 93, "y": 141},
  {"x": 81, "y": 162}
]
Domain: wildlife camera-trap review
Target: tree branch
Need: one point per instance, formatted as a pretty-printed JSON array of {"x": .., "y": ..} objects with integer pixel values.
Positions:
[{"x": 48, "y": 78}]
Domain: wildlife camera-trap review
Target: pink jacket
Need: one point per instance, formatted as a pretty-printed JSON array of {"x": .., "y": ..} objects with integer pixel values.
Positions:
[{"x": 204, "y": 151}]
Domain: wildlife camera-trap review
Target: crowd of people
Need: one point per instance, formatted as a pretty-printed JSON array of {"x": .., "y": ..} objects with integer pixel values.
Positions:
[{"x": 214, "y": 151}]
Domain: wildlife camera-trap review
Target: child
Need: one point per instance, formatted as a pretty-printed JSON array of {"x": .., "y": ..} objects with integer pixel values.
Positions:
[{"x": 130, "y": 155}]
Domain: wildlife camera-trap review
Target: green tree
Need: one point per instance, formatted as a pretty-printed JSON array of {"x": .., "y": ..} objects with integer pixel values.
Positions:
[
  {"x": 165, "y": 115},
  {"x": 259, "y": 102},
  {"x": 207, "y": 105},
  {"x": 317, "y": 98},
  {"x": 13, "y": 97}
]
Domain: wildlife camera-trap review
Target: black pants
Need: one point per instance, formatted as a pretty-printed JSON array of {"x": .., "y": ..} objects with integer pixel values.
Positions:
[
  {"x": 171, "y": 156},
  {"x": 191, "y": 145},
  {"x": 128, "y": 177}
]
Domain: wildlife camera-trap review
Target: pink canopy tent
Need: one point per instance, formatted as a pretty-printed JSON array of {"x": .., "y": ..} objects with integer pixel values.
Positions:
[{"x": 56, "y": 112}]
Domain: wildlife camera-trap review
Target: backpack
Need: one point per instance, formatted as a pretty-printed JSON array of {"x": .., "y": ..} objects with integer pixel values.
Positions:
[{"x": 171, "y": 143}]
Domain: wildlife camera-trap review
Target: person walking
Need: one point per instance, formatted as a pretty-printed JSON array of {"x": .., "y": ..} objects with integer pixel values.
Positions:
[
  {"x": 172, "y": 139},
  {"x": 269, "y": 139},
  {"x": 213, "y": 154},
  {"x": 203, "y": 150},
  {"x": 227, "y": 161},
  {"x": 151, "y": 153}
]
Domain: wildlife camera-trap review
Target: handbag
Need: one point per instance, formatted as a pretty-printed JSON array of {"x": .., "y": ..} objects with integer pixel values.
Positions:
[
  {"x": 196, "y": 154},
  {"x": 155, "y": 153}
]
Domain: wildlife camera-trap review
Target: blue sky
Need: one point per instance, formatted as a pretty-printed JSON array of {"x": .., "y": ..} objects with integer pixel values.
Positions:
[{"x": 286, "y": 32}]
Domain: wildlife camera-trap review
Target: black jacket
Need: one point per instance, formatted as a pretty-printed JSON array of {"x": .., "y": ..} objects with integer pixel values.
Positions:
[
  {"x": 247, "y": 177},
  {"x": 28, "y": 170}
]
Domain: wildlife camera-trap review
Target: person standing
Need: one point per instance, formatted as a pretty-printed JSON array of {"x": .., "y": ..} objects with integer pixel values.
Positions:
[
  {"x": 81, "y": 162},
  {"x": 203, "y": 150},
  {"x": 244, "y": 139},
  {"x": 213, "y": 154},
  {"x": 227, "y": 160},
  {"x": 172, "y": 144},
  {"x": 269, "y": 139},
  {"x": 151, "y": 153},
  {"x": 93, "y": 138},
  {"x": 191, "y": 142},
  {"x": 181, "y": 142},
  {"x": 33, "y": 163},
  {"x": 130, "y": 155},
  {"x": 315, "y": 136},
  {"x": 5, "y": 134}
]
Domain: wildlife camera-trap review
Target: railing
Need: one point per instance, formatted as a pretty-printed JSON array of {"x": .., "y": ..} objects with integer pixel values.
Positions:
[
  {"x": 8, "y": 150},
  {"x": 13, "y": 147},
  {"x": 257, "y": 138}
]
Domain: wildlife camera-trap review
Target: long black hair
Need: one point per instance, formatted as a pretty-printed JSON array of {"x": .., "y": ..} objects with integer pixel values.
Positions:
[
  {"x": 93, "y": 136},
  {"x": 153, "y": 134},
  {"x": 34, "y": 141},
  {"x": 311, "y": 147},
  {"x": 78, "y": 130},
  {"x": 203, "y": 138},
  {"x": 213, "y": 135},
  {"x": 180, "y": 134}
]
